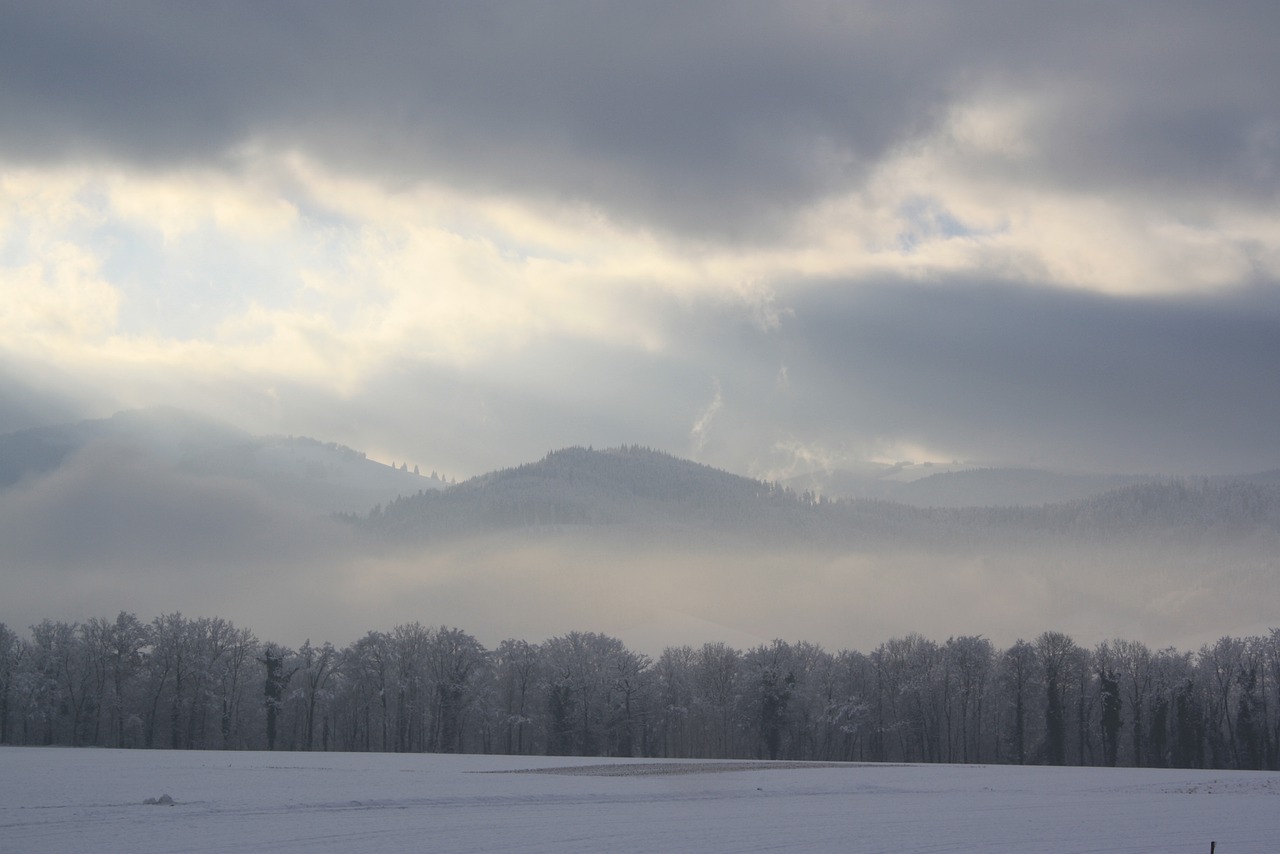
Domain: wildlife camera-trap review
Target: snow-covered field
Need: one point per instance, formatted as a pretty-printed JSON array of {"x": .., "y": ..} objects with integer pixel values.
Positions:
[{"x": 60, "y": 800}]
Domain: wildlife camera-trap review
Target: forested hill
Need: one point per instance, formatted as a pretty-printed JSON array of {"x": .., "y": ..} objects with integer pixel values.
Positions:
[
  {"x": 636, "y": 492},
  {"x": 618, "y": 491},
  {"x": 922, "y": 486}
]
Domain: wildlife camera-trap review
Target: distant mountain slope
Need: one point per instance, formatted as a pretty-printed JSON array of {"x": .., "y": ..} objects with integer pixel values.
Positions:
[
  {"x": 1265, "y": 478},
  {"x": 977, "y": 487},
  {"x": 1226, "y": 507},
  {"x": 633, "y": 488},
  {"x": 996, "y": 487},
  {"x": 170, "y": 435},
  {"x": 636, "y": 496},
  {"x": 300, "y": 472},
  {"x": 641, "y": 495}
]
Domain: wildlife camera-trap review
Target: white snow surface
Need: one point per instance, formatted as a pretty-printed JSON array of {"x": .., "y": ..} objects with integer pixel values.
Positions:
[{"x": 90, "y": 800}]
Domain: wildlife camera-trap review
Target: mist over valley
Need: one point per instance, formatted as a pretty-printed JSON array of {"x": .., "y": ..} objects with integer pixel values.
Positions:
[{"x": 164, "y": 510}]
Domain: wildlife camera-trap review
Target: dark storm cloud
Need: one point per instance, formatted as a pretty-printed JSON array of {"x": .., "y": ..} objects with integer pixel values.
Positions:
[
  {"x": 715, "y": 116},
  {"x": 621, "y": 105},
  {"x": 1166, "y": 99},
  {"x": 1046, "y": 376},
  {"x": 992, "y": 372}
]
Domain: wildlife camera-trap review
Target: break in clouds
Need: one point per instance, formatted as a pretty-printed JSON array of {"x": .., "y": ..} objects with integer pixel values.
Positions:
[{"x": 993, "y": 233}]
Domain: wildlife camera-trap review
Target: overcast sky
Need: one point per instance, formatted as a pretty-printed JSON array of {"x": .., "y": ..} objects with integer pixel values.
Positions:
[{"x": 773, "y": 237}]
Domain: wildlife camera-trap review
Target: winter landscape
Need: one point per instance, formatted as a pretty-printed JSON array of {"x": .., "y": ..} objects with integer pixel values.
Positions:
[
  {"x": 53, "y": 801},
  {"x": 829, "y": 425}
]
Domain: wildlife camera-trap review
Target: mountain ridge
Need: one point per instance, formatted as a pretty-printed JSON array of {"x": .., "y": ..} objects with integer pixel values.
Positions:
[
  {"x": 637, "y": 495},
  {"x": 979, "y": 486},
  {"x": 654, "y": 493}
]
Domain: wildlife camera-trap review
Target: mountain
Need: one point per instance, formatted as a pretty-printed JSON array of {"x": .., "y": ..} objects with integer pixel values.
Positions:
[
  {"x": 642, "y": 496},
  {"x": 923, "y": 486},
  {"x": 638, "y": 495},
  {"x": 622, "y": 491},
  {"x": 299, "y": 472},
  {"x": 161, "y": 511}
]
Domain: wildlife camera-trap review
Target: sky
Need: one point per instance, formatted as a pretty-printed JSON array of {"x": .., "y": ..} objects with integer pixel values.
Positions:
[
  {"x": 770, "y": 237},
  {"x": 775, "y": 238}
]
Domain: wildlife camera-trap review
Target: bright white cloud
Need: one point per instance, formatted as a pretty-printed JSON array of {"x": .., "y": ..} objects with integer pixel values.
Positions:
[
  {"x": 970, "y": 199},
  {"x": 326, "y": 275},
  {"x": 60, "y": 298},
  {"x": 179, "y": 204},
  {"x": 53, "y": 292}
]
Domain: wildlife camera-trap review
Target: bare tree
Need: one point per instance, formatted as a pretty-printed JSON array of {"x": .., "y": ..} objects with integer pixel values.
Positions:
[
  {"x": 316, "y": 666},
  {"x": 456, "y": 661},
  {"x": 1017, "y": 675},
  {"x": 1054, "y": 651},
  {"x": 1219, "y": 665},
  {"x": 717, "y": 685},
  {"x": 518, "y": 665},
  {"x": 118, "y": 649},
  {"x": 970, "y": 657},
  {"x": 1134, "y": 660}
]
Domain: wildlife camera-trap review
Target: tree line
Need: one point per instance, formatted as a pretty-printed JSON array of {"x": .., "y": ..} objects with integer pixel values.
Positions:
[{"x": 203, "y": 683}]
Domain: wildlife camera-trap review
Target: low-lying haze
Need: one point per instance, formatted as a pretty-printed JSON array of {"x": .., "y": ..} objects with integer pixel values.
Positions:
[{"x": 172, "y": 513}]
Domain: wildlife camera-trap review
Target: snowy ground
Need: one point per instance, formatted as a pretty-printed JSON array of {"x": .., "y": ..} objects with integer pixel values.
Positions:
[{"x": 60, "y": 800}]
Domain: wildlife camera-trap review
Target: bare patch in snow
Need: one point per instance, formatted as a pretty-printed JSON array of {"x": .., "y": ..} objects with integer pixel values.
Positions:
[
  {"x": 652, "y": 769},
  {"x": 1263, "y": 785}
]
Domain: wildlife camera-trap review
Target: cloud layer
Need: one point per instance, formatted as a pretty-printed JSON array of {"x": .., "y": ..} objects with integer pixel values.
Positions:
[{"x": 768, "y": 236}]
